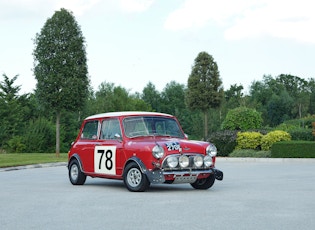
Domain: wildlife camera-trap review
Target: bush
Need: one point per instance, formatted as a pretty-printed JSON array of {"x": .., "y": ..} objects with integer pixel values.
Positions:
[
  {"x": 225, "y": 141},
  {"x": 293, "y": 149},
  {"x": 301, "y": 134},
  {"x": 250, "y": 153},
  {"x": 270, "y": 138},
  {"x": 15, "y": 145},
  {"x": 248, "y": 140},
  {"x": 242, "y": 118}
]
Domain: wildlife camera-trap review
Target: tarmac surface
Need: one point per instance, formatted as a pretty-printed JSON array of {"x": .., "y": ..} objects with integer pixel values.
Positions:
[{"x": 256, "y": 193}]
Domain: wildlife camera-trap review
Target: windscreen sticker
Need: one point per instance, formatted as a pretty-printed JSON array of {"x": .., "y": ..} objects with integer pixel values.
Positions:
[{"x": 105, "y": 160}]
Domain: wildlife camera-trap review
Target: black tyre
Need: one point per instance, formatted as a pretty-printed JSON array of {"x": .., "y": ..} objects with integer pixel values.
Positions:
[
  {"x": 134, "y": 179},
  {"x": 204, "y": 183},
  {"x": 76, "y": 176}
]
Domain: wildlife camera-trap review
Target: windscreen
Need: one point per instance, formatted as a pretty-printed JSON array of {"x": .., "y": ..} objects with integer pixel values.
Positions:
[{"x": 151, "y": 126}]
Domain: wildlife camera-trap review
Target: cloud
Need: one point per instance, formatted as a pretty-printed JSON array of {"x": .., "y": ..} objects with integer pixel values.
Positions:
[
  {"x": 78, "y": 7},
  {"x": 247, "y": 18},
  {"x": 135, "y": 5}
]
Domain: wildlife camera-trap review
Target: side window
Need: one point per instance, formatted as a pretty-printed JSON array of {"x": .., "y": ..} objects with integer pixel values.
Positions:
[
  {"x": 110, "y": 127},
  {"x": 90, "y": 130}
]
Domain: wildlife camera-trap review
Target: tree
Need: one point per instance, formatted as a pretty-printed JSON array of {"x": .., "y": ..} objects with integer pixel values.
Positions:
[
  {"x": 298, "y": 89},
  {"x": 205, "y": 89},
  {"x": 172, "y": 98},
  {"x": 60, "y": 66},
  {"x": 152, "y": 97},
  {"x": 13, "y": 109}
]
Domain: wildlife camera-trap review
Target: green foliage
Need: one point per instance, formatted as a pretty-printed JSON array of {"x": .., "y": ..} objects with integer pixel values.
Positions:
[
  {"x": 293, "y": 149},
  {"x": 225, "y": 141},
  {"x": 60, "y": 64},
  {"x": 15, "y": 145},
  {"x": 248, "y": 140},
  {"x": 272, "y": 137},
  {"x": 250, "y": 153},
  {"x": 152, "y": 97},
  {"x": 13, "y": 111},
  {"x": 242, "y": 118},
  {"x": 301, "y": 134},
  {"x": 40, "y": 136},
  {"x": 205, "y": 89},
  {"x": 282, "y": 98},
  {"x": 204, "y": 84}
]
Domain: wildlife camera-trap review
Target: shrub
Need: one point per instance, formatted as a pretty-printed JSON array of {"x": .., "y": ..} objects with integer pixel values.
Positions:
[
  {"x": 15, "y": 145},
  {"x": 248, "y": 140},
  {"x": 301, "y": 134},
  {"x": 242, "y": 118},
  {"x": 250, "y": 153},
  {"x": 225, "y": 141},
  {"x": 272, "y": 137},
  {"x": 293, "y": 149}
]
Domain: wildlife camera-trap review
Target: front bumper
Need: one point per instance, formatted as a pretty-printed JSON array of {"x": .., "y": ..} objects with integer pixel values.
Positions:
[{"x": 159, "y": 176}]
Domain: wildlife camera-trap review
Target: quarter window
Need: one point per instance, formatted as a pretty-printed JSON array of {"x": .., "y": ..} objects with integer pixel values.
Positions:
[{"x": 90, "y": 130}]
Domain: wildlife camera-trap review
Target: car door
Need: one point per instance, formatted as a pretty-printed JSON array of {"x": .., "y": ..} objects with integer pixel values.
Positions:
[
  {"x": 108, "y": 152},
  {"x": 85, "y": 146}
]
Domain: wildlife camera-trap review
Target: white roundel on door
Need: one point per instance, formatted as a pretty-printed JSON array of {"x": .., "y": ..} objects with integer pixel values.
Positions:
[{"x": 105, "y": 159}]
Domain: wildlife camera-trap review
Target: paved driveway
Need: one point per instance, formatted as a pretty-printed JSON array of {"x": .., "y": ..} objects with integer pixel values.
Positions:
[{"x": 255, "y": 194}]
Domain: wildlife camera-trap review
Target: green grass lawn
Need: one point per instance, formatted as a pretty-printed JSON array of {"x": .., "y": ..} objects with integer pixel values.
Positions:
[{"x": 18, "y": 159}]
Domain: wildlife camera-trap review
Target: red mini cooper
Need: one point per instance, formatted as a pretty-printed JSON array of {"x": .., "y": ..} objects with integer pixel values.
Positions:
[{"x": 140, "y": 148}]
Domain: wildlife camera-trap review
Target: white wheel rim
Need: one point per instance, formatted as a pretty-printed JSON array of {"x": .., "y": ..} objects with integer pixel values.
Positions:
[
  {"x": 134, "y": 177},
  {"x": 74, "y": 172}
]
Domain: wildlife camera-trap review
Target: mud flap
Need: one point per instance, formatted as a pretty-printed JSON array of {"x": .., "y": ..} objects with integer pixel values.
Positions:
[{"x": 218, "y": 174}]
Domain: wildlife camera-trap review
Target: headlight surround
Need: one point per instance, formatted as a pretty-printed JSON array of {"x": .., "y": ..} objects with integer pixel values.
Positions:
[
  {"x": 211, "y": 150},
  {"x": 172, "y": 162},
  {"x": 158, "y": 152},
  {"x": 183, "y": 161},
  {"x": 207, "y": 160},
  {"x": 198, "y": 161}
]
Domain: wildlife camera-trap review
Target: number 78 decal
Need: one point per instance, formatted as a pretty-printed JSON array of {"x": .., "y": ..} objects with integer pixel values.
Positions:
[{"x": 105, "y": 159}]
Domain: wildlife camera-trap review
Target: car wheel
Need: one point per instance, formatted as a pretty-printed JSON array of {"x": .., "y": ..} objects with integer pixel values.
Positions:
[
  {"x": 134, "y": 179},
  {"x": 204, "y": 183},
  {"x": 76, "y": 176}
]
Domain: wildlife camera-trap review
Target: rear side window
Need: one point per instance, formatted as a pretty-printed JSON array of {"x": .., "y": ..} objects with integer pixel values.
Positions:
[{"x": 90, "y": 130}]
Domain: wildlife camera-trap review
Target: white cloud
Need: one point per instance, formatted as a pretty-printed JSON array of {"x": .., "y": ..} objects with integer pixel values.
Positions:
[
  {"x": 247, "y": 18},
  {"x": 135, "y": 5},
  {"x": 78, "y": 7}
]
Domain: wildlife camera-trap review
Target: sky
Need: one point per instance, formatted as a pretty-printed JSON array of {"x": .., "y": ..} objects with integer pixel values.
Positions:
[{"x": 133, "y": 42}]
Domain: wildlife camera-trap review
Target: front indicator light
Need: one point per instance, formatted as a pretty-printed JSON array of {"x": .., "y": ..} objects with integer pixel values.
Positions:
[{"x": 183, "y": 161}]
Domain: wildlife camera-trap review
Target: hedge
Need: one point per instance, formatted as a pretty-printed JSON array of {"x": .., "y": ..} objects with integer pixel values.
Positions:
[{"x": 293, "y": 149}]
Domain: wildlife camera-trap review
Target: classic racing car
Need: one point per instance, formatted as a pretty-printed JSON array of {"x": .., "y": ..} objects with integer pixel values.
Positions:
[{"x": 140, "y": 148}]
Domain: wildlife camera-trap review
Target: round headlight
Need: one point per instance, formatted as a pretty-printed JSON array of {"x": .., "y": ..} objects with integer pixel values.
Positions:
[
  {"x": 211, "y": 150},
  {"x": 158, "y": 152},
  {"x": 198, "y": 161},
  {"x": 183, "y": 161},
  {"x": 207, "y": 160},
  {"x": 172, "y": 162}
]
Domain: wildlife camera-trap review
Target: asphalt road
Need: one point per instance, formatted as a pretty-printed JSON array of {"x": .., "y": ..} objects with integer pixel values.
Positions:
[{"x": 255, "y": 194}]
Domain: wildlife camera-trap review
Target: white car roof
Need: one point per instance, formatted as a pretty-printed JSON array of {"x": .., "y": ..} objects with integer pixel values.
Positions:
[{"x": 127, "y": 113}]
